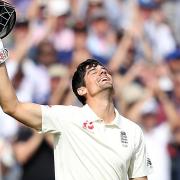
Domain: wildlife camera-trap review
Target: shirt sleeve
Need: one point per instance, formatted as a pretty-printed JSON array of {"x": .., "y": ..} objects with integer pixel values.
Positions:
[
  {"x": 140, "y": 164},
  {"x": 55, "y": 118}
]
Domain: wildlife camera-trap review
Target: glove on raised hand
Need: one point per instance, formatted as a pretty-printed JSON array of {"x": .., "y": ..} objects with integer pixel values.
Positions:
[{"x": 3, "y": 53}]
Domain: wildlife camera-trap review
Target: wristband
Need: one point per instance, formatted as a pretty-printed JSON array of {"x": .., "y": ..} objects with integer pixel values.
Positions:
[{"x": 3, "y": 55}]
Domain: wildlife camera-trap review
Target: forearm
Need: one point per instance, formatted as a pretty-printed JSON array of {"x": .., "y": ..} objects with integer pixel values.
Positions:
[
  {"x": 24, "y": 150},
  {"x": 56, "y": 97},
  {"x": 121, "y": 53},
  {"x": 170, "y": 110},
  {"x": 134, "y": 113},
  {"x": 8, "y": 99},
  {"x": 58, "y": 94},
  {"x": 27, "y": 113}
]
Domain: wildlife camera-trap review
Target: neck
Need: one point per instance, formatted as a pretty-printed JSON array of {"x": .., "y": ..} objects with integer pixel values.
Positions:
[{"x": 103, "y": 108}]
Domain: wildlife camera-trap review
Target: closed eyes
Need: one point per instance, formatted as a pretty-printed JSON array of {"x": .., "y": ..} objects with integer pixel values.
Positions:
[{"x": 93, "y": 70}]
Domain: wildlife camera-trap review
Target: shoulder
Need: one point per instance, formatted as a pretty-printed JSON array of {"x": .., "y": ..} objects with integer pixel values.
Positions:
[
  {"x": 134, "y": 130},
  {"x": 61, "y": 112},
  {"x": 59, "y": 108},
  {"x": 130, "y": 126}
]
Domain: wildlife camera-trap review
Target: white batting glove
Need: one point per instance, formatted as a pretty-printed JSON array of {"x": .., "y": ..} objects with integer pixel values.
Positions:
[{"x": 3, "y": 53}]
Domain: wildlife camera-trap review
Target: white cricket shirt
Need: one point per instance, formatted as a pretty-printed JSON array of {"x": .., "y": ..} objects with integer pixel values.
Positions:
[{"x": 87, "y": 149}]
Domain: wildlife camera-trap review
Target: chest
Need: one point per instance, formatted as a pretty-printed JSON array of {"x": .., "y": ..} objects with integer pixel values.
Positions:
[{"x": 108, "y": 141}]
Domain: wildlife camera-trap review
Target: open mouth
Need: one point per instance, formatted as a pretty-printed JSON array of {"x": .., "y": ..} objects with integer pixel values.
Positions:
[{"x": 104, "y": 79}]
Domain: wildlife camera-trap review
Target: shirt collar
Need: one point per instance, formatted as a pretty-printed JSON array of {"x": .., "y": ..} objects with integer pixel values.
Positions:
[
  {"x": 91, "y": 115},
  {"x": 117, "y": 120}
]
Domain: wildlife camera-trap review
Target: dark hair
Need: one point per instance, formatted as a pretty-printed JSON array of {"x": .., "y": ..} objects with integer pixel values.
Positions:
[
  {"x": 78, "y": 77},
  {"x": 80, "y": 27}
]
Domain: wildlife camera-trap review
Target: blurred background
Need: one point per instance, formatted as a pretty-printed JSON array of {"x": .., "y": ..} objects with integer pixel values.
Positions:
[{"x": 138, "y": 40}]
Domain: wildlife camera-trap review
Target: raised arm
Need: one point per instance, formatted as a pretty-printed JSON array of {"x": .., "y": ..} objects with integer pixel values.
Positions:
[{"x": 26, "y": 113}]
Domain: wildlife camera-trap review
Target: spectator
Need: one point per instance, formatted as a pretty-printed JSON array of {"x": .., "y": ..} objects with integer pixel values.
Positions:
[
  {"x": 61, "y": 35},
  {"x": 156, "y": 29},
  {"x": 136, "y": 39},
  {"x": 174, "y": 152},
  {"x": 7, "y": 161},
  {"x": 80, "y": 49},
  {"x": 60, "y": 85},
  {"x": 46, "y": 54},
  {"x": 102, "y": 35},
  {"x": 156, "y": 136},
  {"x": 34, "y": 153},
  {"x": 173, "y": 61}
]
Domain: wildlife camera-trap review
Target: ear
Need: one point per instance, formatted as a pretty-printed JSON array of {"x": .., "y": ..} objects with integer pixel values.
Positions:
[{"x": 82, "y": 91}]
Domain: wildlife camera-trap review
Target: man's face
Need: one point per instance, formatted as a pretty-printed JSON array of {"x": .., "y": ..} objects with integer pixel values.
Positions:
[
  {"x": 100, "y": 26},
  {"x": 97, "y": 79}
]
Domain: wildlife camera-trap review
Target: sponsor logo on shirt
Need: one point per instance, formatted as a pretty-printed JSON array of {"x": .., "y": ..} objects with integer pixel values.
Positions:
[
  {"x": 88, "y": 125},
  {"x": 124, "y": 139}
]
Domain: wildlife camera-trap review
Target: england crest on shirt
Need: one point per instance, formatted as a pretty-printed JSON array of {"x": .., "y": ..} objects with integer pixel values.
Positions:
[{"x": 124, "y": 139}]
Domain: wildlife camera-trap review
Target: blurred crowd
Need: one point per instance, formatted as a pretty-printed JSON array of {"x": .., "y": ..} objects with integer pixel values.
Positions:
[{"x": 138, "y": 40}]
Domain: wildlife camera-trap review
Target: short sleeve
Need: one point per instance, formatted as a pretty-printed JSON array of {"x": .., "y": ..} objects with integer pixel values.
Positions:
[
  {"x": 140, "y": 164},
  {"x": 55, "y": 118}
]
